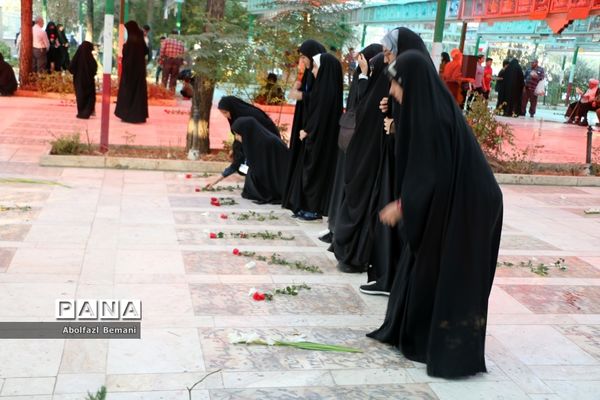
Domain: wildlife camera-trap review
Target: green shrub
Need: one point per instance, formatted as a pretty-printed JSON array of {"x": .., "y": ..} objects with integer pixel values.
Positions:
[
  {"x": 55, "y": 82},
  {"x": 491, "y": 134},
  {"x": 100, "y": 394},
  {"x": 67, "y": 145}
]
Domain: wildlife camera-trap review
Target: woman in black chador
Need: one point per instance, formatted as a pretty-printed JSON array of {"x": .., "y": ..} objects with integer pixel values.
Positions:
[
  {"x": 358, "y": 88},
  {"x": 132, "y": 99},
  {"x": 84, "y": 68},
  {"x": 8, "y": 80},
  {"x": 293, "y": 187},
  {"x": 354, "y": 228},
  {"x": 53, "y": 55},
  {"x": 267, "y": 158},
  {"x": 514, "y": 80},
  {"x": 319, "y": 137},
  {"x": 63, "y": 49},
  {"x": 451, "y": 208},
  {"x": 233, "y": 108},
  {"x": 387, "y": 245}
]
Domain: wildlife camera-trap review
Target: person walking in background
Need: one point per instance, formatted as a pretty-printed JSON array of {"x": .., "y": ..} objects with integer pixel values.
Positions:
[
  {"x": 452, "y": 76},
  {"x": 148, "y": 42},
  {"x": 84, "y": 69},
  {"x": 534, "y": 75},
  {"x": 132, "y": 98},
  {"x": 513, "y": 89},
  {"x": 40, "y": 46},
  {"x": 63, "y": 49},
  {"x": 500, "y": 86},
  {"x": 478, "y": 84},
  {"x": 171, "y": 52},
  {"x": 159, "y": 62},
  {"x": 53, "y": 50},
  {"x": 350, "y": 64},
  {"x": 445, "y": 60},
  {"x": 487, "y": 78}
]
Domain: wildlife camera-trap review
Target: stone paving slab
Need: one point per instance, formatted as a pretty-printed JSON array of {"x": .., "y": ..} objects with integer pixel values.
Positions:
[{"x": 135, "y": 234}]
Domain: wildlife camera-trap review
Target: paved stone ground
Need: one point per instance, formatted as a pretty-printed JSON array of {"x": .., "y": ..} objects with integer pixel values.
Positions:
[
  {"x": 133, "y": 234},
  {"x": 34, "y": 121}
]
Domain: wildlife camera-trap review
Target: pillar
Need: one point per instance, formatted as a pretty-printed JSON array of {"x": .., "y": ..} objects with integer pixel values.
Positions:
[
  {"x": 109, "y": 20},
  {"x": 438, "y": 33},
  {"x": 572, "y": 74}
]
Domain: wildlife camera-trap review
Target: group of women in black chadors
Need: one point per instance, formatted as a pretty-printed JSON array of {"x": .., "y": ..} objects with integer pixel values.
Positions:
[
  {"x": 132, "y": 97},
  {"x": 410, "y": 197}
]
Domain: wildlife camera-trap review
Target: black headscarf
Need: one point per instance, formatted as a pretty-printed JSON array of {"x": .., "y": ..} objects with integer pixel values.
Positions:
[
  {"x": 358, "y": 86},
  {"x": 132, "y": 99},
  {"x": 53, "y": 55},
  {"x": 267, "y": 158},
  {"x": 514, "y": 81},
  {"x": 322, "y": 125},
  {"x": 452, "y": 218},
  {"x": 239, "y": 108},
  {"x": 353, "y": 236},
  {"x": 8, "y": 81},
  {"x": 84, "y": 69},
  {"x": 293, "y": 187}
]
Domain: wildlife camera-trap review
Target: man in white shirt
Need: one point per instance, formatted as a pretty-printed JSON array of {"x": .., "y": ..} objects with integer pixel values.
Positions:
[{"x": 41, "y": 44}]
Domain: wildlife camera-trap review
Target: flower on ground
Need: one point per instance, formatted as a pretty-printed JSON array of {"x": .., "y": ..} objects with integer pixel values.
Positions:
[
  {"x": 213, "y": 235},
  {"x": 236, "y": 252},
  {"x": 258, "y": 296},
  {"x": 197, "y": 189},
  {"x": 188, "y": 176},
  {"x": 224, "y": 216}
]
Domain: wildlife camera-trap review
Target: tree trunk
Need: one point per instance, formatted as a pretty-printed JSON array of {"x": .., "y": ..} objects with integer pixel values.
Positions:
[
  {"x": 204, "y": 89},
  {"x": 89, "y": 21},
  {"x": 26, "y": 51}
]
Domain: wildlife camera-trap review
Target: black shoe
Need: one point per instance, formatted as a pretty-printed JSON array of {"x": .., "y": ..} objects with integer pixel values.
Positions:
[
  {"x": 374, "y": 289},
  {"x": 259, "y": 202},
  {"x": 350, "y": 269},
  {"x": 308, "y": 216},
  {"x": 297, "y": 214},
  {"x": 326, "y": 238}
]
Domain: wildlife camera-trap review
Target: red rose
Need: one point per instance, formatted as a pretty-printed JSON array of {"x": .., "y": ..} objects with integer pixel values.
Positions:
[
  {"x": 188, "y": 176},
  {"x": 213, "y": 199},
  {"x": 224, "y": 216},
  {"x": 236, "y": 252},
  {"x": 215, "y": 203},
  {"x": 213, "y": 235},
  {"x": 198, "y": 189},
  {"x": 258, "y": 296}
]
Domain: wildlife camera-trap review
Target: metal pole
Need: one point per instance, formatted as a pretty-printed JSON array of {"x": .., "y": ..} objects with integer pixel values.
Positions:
[
  {"x": 364, "y": 36},
  {"x": 588, "y": 148},
  {"x": 438, "y": 34},
  {"x": 81, "y": 3},
  {"x": 179, "y": 17},
  {"x": 463, "y": 36},
  {"x": 572, "y": 74},
  {"x": 109, "y": 20},
  {"x": 476, "y": 52},
  {"x": 121, "y": 39},
  {"x": 126, "y": 13}
]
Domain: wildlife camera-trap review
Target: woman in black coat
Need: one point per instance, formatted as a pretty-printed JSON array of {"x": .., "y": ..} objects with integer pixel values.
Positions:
[
  {"x": 267, "y": 158},
  {"x": 233, "y": 108},
  {"x": 451, "y": 209},
  {"x": 84, "y": 68},
  {"x": 293, "y": 187},
  {"x": 8, "y": 81},
  {"x": 319, "y": 137},
  {"x": 132, "y": 99}
]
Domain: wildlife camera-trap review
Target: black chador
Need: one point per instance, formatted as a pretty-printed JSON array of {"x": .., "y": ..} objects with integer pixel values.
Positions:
[
  {"x": 353, "y": 236},
  {"x": 132, "y": 99},
  {"x": 8, "y": 81},
  {"x": 293, "y": 186},
  {"x": 452, "y": 218},
  {"x": 238, "y": 108},
  {"x": 357, "y": 91},
  {"x": 84, "y": 68},
  {"x": 514, "y": 81},
  {"x": 267, "y": 158},
  {"x": 318, "y": 157}
]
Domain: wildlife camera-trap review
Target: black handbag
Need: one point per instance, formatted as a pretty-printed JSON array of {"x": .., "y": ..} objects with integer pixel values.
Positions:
[{"x": 347, "y": 127}]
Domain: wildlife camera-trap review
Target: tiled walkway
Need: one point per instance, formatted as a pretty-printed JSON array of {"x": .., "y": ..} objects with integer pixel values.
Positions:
[
  {"x": 132, "y": 234},
  {"x": 128, "y": 234}
]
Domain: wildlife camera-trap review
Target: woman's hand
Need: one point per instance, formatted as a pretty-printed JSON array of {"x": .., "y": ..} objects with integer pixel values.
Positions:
[
  {"x": 391, "y": 214},
  {"x": 213, "y": 182},
  {"x": 303, "y": 134},
  {"x": 388, "y": 124},
  {"x": 295, "y": 94},
  {"x": 363, "y": 65},
  {"x": 383, "y": 105}
]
